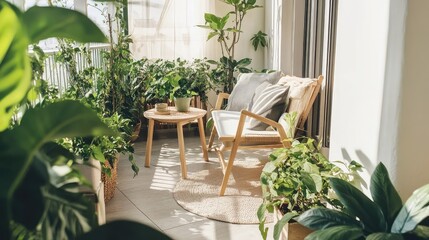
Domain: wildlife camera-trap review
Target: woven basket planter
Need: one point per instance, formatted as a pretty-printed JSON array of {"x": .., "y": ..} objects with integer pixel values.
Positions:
[{"x": 110, "y": 182}]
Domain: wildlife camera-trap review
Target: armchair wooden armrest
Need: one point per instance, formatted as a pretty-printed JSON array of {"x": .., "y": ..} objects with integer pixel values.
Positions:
[
  {"x": 237, "y": 140},
  {"x": 274, "y": 124}
]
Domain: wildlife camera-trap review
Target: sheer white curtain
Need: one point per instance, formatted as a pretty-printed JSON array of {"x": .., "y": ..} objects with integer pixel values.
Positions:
[
  {"x": 167, "y": 29},
  {"x": 273, "y": 27}
]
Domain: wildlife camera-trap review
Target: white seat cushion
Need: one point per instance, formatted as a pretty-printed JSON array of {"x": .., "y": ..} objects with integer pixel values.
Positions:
[{"x": 226, "y": 123}]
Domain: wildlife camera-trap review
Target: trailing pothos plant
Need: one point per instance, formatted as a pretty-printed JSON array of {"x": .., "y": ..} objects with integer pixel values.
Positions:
[
  {"x": 383, "y": 217},
  {"x": 297, "y": 179},
  {"x": 227, "y": 31},
  {"x": 38, "y": 187}
]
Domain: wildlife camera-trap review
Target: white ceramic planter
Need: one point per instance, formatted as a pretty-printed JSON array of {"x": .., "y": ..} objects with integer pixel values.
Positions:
[
  {"x": 182, "y": 104},
  {"x": 93, "y": 174}
]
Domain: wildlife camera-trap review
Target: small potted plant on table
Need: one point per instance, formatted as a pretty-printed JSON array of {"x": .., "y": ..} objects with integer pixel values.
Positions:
[
  {"x": 297, "y": 179},
  {"x": 181, "y": 92}
]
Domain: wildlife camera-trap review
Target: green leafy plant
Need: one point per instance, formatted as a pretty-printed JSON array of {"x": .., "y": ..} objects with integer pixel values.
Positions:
[
  {"x": 133, "y": 91},
  {"x": 181, "y": 86},
  {"x": 24, "y": 147},
  {"x": 159, "y": 86},
  {"x": 38, "y": 187},
  {"x": 383, "y": 217},
  {"x": 222, "y": 74},
  {"x": 105, "y": 148},
  {"x": 297, "y": 179},
  {"x": 227, "y": 30},
  {"x": 259, "y": 40},
  {"x": 118, "y": 61},
  {"x": 228, "y": 36},
  {"x": 91, "y": 85},
  {"x": 34, "y": 164},
  {"x": 166, "y": 78}
]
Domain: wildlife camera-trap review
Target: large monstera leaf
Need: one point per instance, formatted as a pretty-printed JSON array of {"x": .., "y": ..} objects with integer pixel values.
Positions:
[
  {"x": 19, "y": 146},
  {"x": 15, "y": 69},
  {"x": 17, "y": 30}
]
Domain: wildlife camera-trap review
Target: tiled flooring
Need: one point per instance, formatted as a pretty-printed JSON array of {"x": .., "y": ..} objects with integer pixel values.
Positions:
[{"x": 148, "y": 197}]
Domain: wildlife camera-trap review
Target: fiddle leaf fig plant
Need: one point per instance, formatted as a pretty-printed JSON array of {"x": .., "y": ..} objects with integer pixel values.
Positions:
[
  {"x": 227, "y": 30},
  {"x": 383, "y": 217}
]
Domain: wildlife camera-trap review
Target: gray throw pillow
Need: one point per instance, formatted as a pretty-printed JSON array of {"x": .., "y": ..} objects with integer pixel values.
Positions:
[
  {"x": 243, "y": 91},
  {"x": 269, "y": 101}
]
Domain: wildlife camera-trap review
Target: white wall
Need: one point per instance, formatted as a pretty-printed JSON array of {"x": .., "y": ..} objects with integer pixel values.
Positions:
[
  {"x": 359, "y": 79},
  {"x": 380, "y": 110},
  {"x": 413, "y": 157}
]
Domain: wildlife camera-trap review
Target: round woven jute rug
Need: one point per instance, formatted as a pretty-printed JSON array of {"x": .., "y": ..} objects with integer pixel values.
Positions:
[{"x": 199, "y": 193}]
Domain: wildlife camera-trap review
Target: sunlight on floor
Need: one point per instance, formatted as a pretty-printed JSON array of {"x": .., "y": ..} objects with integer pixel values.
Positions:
[
  {"x": 148, "y": 198},
  {"x": 163, "y": 180}
]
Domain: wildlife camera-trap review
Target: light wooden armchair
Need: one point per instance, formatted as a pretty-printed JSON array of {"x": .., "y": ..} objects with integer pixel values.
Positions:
[{"x": 230, "y": 126}]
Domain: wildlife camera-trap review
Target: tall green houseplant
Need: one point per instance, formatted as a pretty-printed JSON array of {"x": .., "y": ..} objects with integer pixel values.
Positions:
[{"x": 227, "y": 30}]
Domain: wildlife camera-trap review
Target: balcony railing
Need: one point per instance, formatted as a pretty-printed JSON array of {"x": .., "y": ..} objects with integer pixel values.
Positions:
[{"x": 56, "y": 73}]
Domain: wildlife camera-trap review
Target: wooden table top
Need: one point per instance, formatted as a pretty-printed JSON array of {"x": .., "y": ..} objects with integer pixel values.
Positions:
[{"x": 175, "y": 116}]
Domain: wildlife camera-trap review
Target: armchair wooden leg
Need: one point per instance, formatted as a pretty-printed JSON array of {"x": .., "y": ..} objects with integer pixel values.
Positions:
[
  {"x": 221, "y": 157},
  {"x": 211, "y": 139},
  {"x": 233, "y": 154},
  {"x": 229, "y": 167}
]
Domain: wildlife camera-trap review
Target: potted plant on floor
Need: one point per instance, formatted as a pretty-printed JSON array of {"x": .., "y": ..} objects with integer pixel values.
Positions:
[
  {"x": 383, "y": 217},
  {"x": 294, "y": 180}
]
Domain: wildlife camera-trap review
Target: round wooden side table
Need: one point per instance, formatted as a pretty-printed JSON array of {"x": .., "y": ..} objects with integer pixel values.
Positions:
[{"x": 180, "y": 119}]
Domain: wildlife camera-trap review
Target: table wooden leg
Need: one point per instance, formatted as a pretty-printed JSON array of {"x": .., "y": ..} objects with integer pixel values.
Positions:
[
  {"x": 149, "y": 143},
  {"x": 181, "y": 149},
  {"x": 203, "y": 139}
]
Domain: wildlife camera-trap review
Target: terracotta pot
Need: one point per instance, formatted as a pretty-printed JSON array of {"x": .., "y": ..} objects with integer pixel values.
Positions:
[{"x": 292, "y": 230}]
